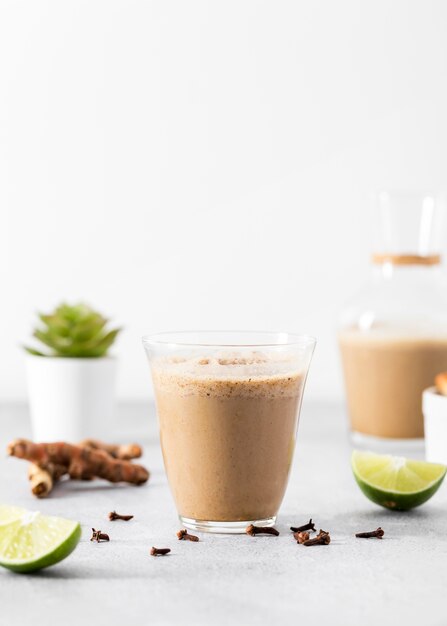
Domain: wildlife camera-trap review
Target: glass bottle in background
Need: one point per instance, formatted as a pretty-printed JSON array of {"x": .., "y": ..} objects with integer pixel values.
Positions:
[{"x": 393, "y": 334}]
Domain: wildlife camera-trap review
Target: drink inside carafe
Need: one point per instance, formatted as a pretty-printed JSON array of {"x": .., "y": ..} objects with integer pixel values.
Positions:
[
  {"x": 385, "y": 375},
  {"x": 393, "y": 336}
]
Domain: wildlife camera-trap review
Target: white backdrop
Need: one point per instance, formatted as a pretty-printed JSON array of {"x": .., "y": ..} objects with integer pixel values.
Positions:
[{"x": 185, "y": 164}]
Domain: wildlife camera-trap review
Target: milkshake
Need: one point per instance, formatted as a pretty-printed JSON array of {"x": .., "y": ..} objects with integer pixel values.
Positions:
[
  {"x": 228, "y": 421},
  {"x": 385, "y": 375}
]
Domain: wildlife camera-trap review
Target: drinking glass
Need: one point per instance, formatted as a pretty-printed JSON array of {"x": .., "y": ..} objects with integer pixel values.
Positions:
[{"x": 228, "y": 405}]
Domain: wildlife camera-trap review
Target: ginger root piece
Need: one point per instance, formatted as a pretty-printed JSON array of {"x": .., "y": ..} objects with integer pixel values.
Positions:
[
  {"x": 81, "y": 463},
  {"x": 125, "y": 452},
  {"x": 42, "y": 479},
  {"x": 441, "y": 383}
]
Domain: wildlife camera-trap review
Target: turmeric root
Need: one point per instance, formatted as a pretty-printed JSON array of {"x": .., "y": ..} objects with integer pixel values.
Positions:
[
  {"x": 125, "y": 452},
  {"x": 82, "y": 463},
  {"x": 42, "y": 479}
]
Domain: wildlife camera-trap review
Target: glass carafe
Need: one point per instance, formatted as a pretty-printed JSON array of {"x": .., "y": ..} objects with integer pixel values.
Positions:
[{"x": 393, "y": 334}]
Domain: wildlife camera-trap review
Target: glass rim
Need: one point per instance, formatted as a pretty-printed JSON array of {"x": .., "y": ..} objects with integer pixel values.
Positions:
[{"x": 166, "y": 338}]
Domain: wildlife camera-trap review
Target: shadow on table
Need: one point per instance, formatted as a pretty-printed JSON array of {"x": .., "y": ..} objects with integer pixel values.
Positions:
[
  {"x": 71, "y": 487},
  {"x": 77, "y": 572}
]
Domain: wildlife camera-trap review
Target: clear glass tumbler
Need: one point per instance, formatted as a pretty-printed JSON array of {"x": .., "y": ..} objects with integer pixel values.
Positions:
[
  {"x": 228, "y": 405},
  {"x": 393, "y": 332}
]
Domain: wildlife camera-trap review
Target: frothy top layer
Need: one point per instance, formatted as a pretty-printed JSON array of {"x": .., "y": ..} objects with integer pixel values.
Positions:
[{"x": 229, "y": 374}]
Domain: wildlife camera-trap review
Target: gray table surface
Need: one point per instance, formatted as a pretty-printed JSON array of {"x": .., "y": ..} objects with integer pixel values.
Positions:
[{"x": 231, "y": 579}]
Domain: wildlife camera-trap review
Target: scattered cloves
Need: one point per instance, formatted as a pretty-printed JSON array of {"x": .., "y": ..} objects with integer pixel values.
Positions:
[
  {"x": 261, "y": 530},
  {"x": 183, "y": 534},
  {"x": 113, "y": 515},
  {"x": 160, "y": 551},
  {"x": 309, "y": 526},
  {"x": 378, "y": 533},
  {"x": 301, "y": 537},
  {"x": 98, "y": 536},
  {"x": 322, "y": 539}
]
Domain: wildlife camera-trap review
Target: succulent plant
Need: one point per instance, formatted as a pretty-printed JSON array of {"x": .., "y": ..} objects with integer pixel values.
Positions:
[{"x": 74, "y": 331}]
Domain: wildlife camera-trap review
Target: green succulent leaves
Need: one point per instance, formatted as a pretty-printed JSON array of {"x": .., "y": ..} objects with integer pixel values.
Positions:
[{"x": 75, "y": 331}]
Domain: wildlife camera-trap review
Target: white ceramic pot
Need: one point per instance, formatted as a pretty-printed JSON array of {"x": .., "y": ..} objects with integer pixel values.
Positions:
[
  {"x": 70, "y": 398},
  {"x": 434, "y": 407}
]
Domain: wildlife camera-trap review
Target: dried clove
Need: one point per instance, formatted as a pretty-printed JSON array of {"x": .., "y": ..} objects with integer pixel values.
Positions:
[
  {"x": 160, "y": 551},
  {"x": 301, "y": 537},
  {"x": 98, "y": 536},
  {"x": 183, "y": 534},
  {"x": 309, "y": 526},
  {"x": 378, "y": 533},
  {"x": 322, "y": 539},
  {"x": 261, "y": 530},
  {"x": 113, "y": 515}
]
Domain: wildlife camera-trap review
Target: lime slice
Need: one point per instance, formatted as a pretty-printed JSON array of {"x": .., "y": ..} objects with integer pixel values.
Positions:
[
  {"x": 394, "y": 482},
  {"x": 10, "y": 513},
  {"x": 30, "y": 541}
]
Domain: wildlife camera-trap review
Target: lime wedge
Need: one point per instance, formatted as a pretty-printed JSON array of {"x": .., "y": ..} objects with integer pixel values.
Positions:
[
  {"x": 394, "y": 482},
  {"x": 10, "y": 513},
  {"x": 30, "y": 541}
]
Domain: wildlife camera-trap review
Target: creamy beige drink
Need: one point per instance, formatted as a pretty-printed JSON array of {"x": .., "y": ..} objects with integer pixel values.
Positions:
[
  {"x": 228, "y": 428},
  {"x": 385, "y": 375}
]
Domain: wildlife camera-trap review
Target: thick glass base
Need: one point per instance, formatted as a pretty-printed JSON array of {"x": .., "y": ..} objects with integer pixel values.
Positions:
[
  {"x": 413, "y": 448},
  {"x": 232, "y": 528}
]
